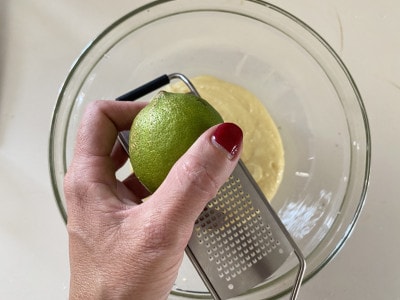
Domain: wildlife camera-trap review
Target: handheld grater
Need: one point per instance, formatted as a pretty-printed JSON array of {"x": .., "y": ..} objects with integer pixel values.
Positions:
[{"x": 238, "y": 241}]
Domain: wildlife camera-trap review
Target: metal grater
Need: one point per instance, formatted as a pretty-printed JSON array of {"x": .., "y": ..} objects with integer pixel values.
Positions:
[{"x": 238, "y": 241}]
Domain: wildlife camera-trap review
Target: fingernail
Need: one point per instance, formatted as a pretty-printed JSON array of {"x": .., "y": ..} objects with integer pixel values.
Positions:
[{"x": 228, "y": 136}]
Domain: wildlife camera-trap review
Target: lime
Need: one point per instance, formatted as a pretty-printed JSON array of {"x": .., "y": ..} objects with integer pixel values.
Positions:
[{"x": 164, "y": 130}]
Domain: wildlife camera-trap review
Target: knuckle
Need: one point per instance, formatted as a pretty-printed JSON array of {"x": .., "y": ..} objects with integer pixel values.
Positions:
[
  {"x": 76, "y": 233},
  {"x": 74, "y": 187},
  {"x": 96, "y": 105},
  {"x": 196, "y": 174}
]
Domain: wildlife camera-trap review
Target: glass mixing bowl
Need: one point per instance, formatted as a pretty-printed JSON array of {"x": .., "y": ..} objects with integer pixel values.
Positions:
[{"x": 293, "y": 71}]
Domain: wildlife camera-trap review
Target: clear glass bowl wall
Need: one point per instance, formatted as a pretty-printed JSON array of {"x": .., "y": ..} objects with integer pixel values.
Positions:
[{"x": 293, "y": 71}]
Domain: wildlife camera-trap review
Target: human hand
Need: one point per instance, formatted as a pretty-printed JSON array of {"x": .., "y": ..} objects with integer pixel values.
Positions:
[{"x": 121, "y": 248}]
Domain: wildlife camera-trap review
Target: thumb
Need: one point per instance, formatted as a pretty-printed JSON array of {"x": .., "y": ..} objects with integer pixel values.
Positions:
[{"x": 197, "y": 176}]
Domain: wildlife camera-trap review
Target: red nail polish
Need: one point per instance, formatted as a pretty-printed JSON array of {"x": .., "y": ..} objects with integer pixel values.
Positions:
[{"x": 228, "y": 136}]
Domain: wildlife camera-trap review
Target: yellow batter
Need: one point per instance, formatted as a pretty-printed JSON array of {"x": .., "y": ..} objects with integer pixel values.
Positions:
[{"x": 263, "y": 152}]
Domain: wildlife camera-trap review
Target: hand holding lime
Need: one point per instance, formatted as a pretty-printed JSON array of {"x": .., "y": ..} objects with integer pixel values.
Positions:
[{"x": 164, "y": 130}]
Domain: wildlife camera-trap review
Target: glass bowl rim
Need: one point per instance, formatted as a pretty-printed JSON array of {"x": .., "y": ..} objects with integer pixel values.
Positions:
[{"x": 86, "y": 51}]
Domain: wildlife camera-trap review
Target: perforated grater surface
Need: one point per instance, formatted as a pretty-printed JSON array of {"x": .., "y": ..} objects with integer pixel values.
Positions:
[{"x": 238, "y": 241}]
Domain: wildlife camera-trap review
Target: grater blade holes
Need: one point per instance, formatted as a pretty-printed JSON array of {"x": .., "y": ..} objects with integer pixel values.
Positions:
[{"x": 233, "y": 232}]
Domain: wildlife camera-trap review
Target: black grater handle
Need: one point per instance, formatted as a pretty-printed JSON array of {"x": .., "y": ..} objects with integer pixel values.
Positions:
[{"x": 145, "y": 89}]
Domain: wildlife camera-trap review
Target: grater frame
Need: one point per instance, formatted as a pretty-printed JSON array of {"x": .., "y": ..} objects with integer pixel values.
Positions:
[{"x": 238, "y": 241}]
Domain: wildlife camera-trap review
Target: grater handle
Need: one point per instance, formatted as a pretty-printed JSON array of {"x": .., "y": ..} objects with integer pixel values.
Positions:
[
  {"x": 300, "y": 272},
  {"x": 145, "y": 89},
  {"x": 155, "y": 84}
]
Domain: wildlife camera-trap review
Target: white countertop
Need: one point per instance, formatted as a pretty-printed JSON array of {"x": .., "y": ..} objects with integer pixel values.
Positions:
[{"x": 40, "y": 39}]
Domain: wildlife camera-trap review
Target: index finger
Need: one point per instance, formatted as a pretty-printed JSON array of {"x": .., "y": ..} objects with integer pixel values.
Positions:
[
  {"x": 92, "y": 164},
  {"x": 100, "y": 125}
]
